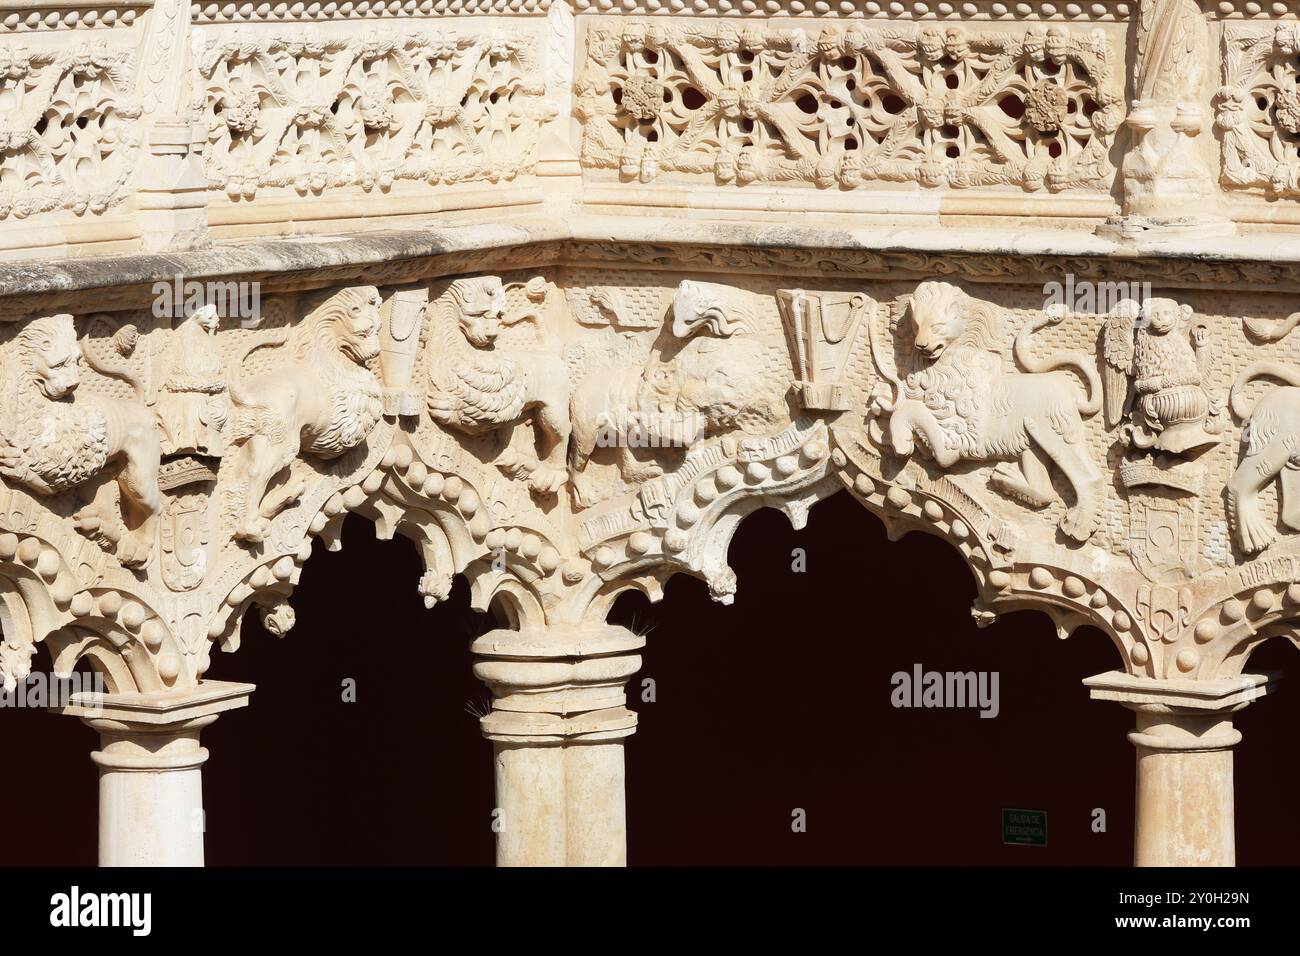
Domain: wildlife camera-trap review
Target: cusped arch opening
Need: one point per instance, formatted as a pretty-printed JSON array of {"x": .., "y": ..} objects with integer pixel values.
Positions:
[{"x": 783, "y": 701}]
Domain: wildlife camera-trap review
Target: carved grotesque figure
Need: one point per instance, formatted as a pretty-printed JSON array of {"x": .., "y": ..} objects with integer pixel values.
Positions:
[
  {"x": 52, "y": 439},
  {"x": 483, "y": 388},
  {"x": 192, "y": 407},
  {"x": 964, "y": 407},
  {"x": 323, "y": 402},
  {"x": 1153, "y": 348},
  {"x": 1271, "y": 436},
  {"x": 667, "y": 405},
  {"x": 710, "y": 308}
]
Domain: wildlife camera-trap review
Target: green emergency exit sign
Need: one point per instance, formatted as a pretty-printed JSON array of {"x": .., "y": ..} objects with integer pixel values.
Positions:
[{"x": 1024, "y": 827}]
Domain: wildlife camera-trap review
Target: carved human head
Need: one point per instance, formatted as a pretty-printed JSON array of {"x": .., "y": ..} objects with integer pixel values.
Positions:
[
  {"x": 938, "y": 314},
  {"x": 480, "y": 304},
  {"x": 49, "y": 348},
  {"x": 357, "y": 315}
]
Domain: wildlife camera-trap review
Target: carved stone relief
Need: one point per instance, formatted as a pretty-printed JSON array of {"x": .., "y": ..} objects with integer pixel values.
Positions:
[
  {"x": 313, "y": 113},
  {"x": 1257, "y": 108},
  {"x": 68, "y": 128},
  {"x": 836, "y": 106},
  {"x": 559, "y": 446}
]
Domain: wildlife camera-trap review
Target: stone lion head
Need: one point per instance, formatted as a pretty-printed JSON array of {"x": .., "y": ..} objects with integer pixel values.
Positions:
[
  {"x": 356, "y": 320},
  {"x": 480, "y": 304},
  {"x": 1162, "y": 316},
  {"x": 937, "y": 312},
  {"x": 51, "y": 354}
]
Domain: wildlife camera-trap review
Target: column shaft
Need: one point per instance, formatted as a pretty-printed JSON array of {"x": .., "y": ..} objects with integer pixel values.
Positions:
[
  {"x": 1184, "y": 791},
  {"x": 557, "y": 725},
  {"x": 1184, "y": 740},
  {"x": 151, "y": 801},
  {"x": 150, "y": 777}
]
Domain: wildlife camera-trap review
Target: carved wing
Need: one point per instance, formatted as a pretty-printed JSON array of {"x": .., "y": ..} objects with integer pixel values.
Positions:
[{"x": 1117, "y": 364}]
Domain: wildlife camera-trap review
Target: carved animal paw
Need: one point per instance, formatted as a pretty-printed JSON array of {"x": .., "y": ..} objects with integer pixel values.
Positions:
[
  {"x": 547, "y": 481},
  {"x": 1079, "y": 523},
  {"x": 1254, "y": 533},
  {"x": 254, "y": 530},
  {"x": 903, "y": 445},
  {"x": 279, "y": 499},
  {"x": 90, "y": 522},
  {"x": 12, "y": 464},
  {"x": 1008, "y": 479},
  {"x": 516, "y": 465},
  {"x": 133, "y": 550}
]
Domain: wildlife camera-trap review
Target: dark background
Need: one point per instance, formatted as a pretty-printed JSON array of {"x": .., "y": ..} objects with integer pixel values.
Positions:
[{"x": 781, "y": 701}]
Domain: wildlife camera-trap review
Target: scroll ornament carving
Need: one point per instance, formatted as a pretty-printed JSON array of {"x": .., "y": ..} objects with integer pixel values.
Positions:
[
  {"x": 1258, "y": 108},
  {"x": 312, "y": 113},
  {"x": 844, "y": 106}
]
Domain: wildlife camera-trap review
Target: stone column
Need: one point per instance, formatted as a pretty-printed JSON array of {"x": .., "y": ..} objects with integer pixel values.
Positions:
[
  {"x": 150, "y": 782},
  {"x": 1184, "y": 740},
  {"x": 557, "y": 725}
]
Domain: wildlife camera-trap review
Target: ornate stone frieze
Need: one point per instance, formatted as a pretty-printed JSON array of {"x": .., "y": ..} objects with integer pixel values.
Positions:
[
  {"x": 311, "y": 113},
  {"x": 68, "y": 127},
  {"x": 844, "y": 106},
  {"x": 560, "y": 437}
]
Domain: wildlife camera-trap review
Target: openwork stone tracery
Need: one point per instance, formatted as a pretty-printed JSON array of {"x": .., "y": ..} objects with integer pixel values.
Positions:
[{"x": 562, "y": 404}]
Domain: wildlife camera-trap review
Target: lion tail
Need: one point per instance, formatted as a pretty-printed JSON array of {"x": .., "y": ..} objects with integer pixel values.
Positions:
[
  {"x": 1237, "y": 401},
  {"x": 239, "y": 394},
  {"x": 1077, "y": 361}
]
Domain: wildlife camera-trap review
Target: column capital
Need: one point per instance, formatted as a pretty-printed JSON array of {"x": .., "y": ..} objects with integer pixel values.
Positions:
[
  {"x": 157, "y": 711},
  {"x": 1224, "y": 695},
  {"x": 559, "y": 684}
]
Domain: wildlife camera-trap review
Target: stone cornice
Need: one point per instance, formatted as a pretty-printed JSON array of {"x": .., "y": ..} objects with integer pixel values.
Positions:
[{"x": 1264, "y": 263}]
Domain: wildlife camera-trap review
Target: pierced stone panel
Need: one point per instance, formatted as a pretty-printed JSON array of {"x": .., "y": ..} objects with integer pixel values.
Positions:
[
  {"x": 951, "y": 107},
  {"x": 313, "y": 113},
  {"x": 68, "y": 128},
  {"x": 1258, "y": 108}
]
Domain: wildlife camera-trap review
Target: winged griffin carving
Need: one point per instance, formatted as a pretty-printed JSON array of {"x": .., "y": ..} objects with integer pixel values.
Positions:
[
  {"x": 477, "y": 387},
  {"x": 1154, "y": 362}
]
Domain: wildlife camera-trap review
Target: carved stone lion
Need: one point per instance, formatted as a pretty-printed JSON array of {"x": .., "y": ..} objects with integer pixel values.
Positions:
[
  {"x": 322, "y": 403},
  {"x": 52, "y": 440},
  {"x": 964, "y": 407},
  {"x": 1271, "y": 435},
  {"x": 482, "y": 388}
]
